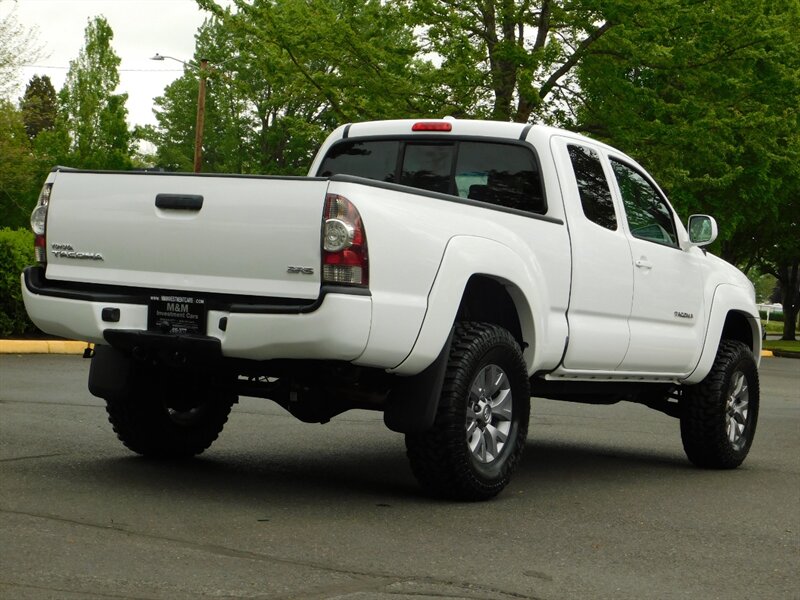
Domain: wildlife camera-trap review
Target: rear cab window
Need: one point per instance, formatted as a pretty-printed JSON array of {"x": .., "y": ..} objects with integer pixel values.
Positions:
[
  {"x": 593, "y": 189},
  {"x": 499, "y": 173}
]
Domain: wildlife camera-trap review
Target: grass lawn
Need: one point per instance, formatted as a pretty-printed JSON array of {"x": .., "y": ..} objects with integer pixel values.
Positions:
[
  {"x": 783, "y": 346},
  {"x": 772, "y": 326}
]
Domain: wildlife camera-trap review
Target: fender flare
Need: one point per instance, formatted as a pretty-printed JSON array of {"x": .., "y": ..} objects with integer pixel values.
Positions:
[
  {"x": 464, "y": 257},
  {"x": 727, "y": 298}
]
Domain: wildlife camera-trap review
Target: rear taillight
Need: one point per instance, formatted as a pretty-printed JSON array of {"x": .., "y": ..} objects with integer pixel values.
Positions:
[
  {"x": 344, "y": 244},
  {"x": 39, "y": 224}
]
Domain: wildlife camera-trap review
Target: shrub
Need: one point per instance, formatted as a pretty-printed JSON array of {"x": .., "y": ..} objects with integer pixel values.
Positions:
[
  {"x": 774, "y": 315},
  {"x": 16, "y": 253}
]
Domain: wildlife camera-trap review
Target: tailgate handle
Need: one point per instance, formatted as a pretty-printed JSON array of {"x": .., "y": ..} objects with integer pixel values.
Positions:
[{"x": 179, "y": 201}]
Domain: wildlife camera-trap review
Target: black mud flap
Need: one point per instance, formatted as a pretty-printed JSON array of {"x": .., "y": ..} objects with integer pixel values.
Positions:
[
  {"x": 412, "y": 403},
  {"x": 110, "y": 372}
]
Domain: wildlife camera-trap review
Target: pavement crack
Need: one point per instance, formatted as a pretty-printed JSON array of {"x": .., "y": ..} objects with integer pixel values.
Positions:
[
  {"x": 361, "y": 585},
  {"x": 198, "y": 546},
  {"x": 377, "y": 579},
  {"x": 32, "y": 457},
  {"x": 53, "y": 403},
  {"x": 461, "y": 591},
  {"x": 77, "y": 593}
]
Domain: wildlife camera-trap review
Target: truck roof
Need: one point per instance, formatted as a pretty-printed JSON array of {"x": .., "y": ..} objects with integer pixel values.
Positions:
[
  {"x": 459, "y": 127},
  {"x": 538, "y": 135}
]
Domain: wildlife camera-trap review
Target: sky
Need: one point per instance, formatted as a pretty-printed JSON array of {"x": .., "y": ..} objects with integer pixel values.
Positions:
[{"x": 141, "y": 28}]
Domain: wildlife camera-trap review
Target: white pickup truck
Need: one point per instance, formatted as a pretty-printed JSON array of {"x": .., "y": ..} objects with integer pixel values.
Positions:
[{"x": 439, "y": 271}]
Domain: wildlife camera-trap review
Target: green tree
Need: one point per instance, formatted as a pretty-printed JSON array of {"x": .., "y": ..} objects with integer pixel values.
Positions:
[
  {"x": 509, "y": 60},
  {"x": 764, "y": 283},
  {"x": 286, "y": 73},
  {"x": 706, "y": 96},
  {"x": 781, "y": 258},
  {"x": 17, "y": 46},
  {"x": 357, "y": 58},
  {"x": 39, "y": 105},
  {"x": 174, "y": 136},
  {"x": 51, "y": 147},
  {"x": 93, "y": 115},
  {"x": 19, "y": 169},
  {"x": 228, "y": 127}
]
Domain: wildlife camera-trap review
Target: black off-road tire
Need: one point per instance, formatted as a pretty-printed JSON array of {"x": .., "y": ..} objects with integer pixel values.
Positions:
[
  {"x": 441, "y": 457},
  {"x": 711, "y": 440},
  {"x": 160, "y": 418}
]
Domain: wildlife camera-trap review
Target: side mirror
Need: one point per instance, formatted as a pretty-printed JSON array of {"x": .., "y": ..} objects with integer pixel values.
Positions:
[{"x": 702, "y": 230}]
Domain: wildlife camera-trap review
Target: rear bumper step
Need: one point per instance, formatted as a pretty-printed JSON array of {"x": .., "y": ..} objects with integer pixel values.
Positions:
[{"x": 170, "y": 348}]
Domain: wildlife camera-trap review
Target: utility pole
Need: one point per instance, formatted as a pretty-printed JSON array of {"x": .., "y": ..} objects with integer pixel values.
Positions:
[
  {"x": 201, "y": 117},
  {"x": 201, "y": 102}
]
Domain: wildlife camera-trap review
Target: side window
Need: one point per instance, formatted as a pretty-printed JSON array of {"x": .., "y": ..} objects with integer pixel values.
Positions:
[
  {"x": 593, "y": 189},
  {"x": 374, "y": 160},
  {"x": 649, "y": 217},
  {"x": 503, "y": 174}
]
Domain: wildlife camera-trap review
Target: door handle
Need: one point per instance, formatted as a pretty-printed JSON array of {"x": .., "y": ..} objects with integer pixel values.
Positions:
[
  {"x": 643, "y": 263},
  {"x": 179, "y": 201}
]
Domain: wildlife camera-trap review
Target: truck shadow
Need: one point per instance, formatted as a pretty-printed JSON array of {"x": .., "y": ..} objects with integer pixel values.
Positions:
[
  {"x": 556, "y": 464},
  {"x": 381, "y": 475}
]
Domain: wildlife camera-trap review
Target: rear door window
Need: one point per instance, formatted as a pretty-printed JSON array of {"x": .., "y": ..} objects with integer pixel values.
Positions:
[
  {"x": 493, "y": 172},
  {"x": 428, "y": 166},
  {"x": 503, "y": 174},
  {"x": 373, "y": 160}
]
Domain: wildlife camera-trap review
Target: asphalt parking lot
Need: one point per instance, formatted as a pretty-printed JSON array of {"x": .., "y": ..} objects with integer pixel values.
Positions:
[{"x": 604, "y": 505}]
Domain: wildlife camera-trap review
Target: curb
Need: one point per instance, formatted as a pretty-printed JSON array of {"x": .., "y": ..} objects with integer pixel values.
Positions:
[
  {"x": 786, "y": 354},
  {"x": 41, "y": 347},
  {"x": 67, "y": 347}
]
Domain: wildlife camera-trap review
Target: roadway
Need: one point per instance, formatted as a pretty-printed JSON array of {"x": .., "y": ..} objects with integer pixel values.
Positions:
[{"x": 604, "y": 505}]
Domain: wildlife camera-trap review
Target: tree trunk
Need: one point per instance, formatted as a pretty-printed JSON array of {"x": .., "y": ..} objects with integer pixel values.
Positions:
[
  {"x": 790, "y": 285},
  {"x": 789, "y": 325},
  {"x": 502, "y": 86}
]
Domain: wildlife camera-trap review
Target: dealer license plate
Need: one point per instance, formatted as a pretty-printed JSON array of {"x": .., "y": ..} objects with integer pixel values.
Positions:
[{"x": 177, "y": 314}]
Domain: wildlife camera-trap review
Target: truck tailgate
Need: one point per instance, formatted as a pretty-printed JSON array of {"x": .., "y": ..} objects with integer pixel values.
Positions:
[{"x": 257, "y": 236}]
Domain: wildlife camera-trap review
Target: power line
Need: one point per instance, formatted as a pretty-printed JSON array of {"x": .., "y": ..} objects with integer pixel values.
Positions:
[
  {"x": 116, "y": 0},
  {"x": 120, "y": 70}
]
